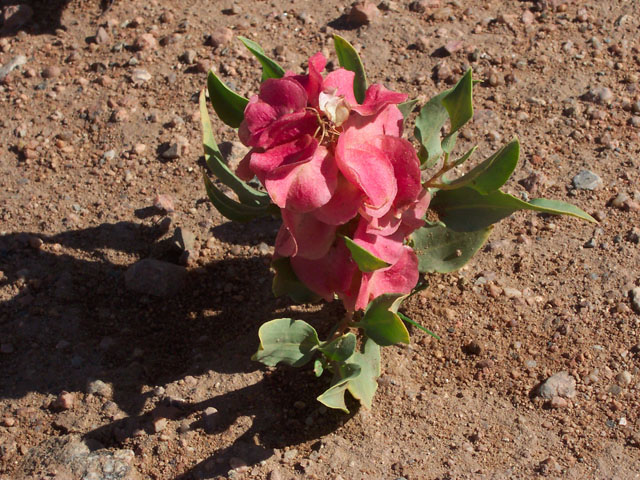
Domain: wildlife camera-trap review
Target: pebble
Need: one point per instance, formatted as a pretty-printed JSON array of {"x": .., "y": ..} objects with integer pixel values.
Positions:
[
  {"x": 102, "y": 36},
  {"x": 64, "y": 401},
  {"x": 188, "y": 57},
  {"x": 221, "y": 37},
  {"x": 159, "y": 424},
  {"x": 422, "y": 43},
  {"x": 16, "y": 16},
  {"x": 163, "y": 201},
  {"x": 560, "y": 384},
  {"x": 11, "y": 65},
  {"x": 146, "y": 41},
  {"x": 558, "y": 402},
  {"x": 587, "y": 180},
  {"x": 453, "y": 46},
  {"x": 140, "y": 75},
  {"x": 634, "y": 294},
  {"x": 176, "y": 149},
  {"x": 422, "y": 6},
  {"x": 99, "y": 388},
  {"x": 602, "y": 95},
  {"x": 527, "y": 17},
  {"x": 363, "y": 13},
  {"x": 52, "y": 71},
  {"x": 155, "y": 277},
  {"x": 624, "y": 378}
]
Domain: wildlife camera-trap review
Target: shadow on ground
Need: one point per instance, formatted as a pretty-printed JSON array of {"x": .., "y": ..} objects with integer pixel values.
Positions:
[{"x": 69, "y": 319}]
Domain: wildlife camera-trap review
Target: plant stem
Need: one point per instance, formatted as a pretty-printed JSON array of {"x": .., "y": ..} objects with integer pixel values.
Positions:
[
  {"x": 344, "y": 325},
  {"x": 433, "y": 181}
]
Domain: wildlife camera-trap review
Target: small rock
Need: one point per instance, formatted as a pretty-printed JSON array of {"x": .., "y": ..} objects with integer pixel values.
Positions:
[
  {"x": 558, "y": 402},
  {"x": 510, "y": 292},
  {"x": 188, "y": 57},
  {"x": 155, "y": 277},
  {"x": 453, "y": 46},
  {"x": 52, "y": 71},
  {"x": 602, "y": 95},
  {"x": 16, "y": 16},
  {"x": 176, "y": 150},
  {"x": 290, "y": 454},
  {"x": 624, "y": 378},
  {"x": 139, "y": 148},
  {"x": 140, "y": 75},
  {"x": 221, "y": 37},
  {"x": 163, "y": 201},
  {"x": 236, "y": 463},
  {"x": 621, "y": 201},
  {"x": 560, "y": 384},
  {"x": 423, "y": 6},
  {"x": 146, "y": 41},
  {"x": 159, "y": 424},
  {"x": 11, "y": 65},
  {"x": 423, "y": 43},
  {"x": 102, "y": 36},
  {"x": 362, "y": 13},
  {"x": 99, "y": 388},
  {"x": 527, "y": 17},
  {"x": 634, "y": 294},
  {"x": 587, "y": 180},
  {"x": 64, "y": 401}
]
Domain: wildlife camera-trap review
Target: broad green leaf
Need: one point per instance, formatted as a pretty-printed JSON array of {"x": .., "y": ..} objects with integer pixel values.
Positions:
[
  {"x": 228, "y": 104},
  {"x": 407, "y": 107},
  {"x": 292, "y": 342},
  {"x": 491, "y": 174},
  {"x": 366, "y": 261},
  {"x": 286, "y": 282},
  {"x": 429, "y": 122},
  {"x": 442, "y": 250},
  {"x": 449, "y": 142},
  {"x": 381, "y": 322},
  {"x": 465, "y": 157},
  {"x": 467, "y": 210},
  {"x": 339, "y": 349},
  {"x": 349, "y": 59},
  {"x": 212, "y": 155},
  {"x": 230, "y": 208},
  {"x": 458, "y": 102},
  {"x": 364, "y": 386},
  {"x": 333, "y": 397},
  {"x": 270, "y": 68},
  {"x": 417, "y": 325}
]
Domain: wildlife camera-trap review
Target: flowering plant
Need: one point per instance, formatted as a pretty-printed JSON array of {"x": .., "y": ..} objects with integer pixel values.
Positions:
[{"x": 330, "y": 154}]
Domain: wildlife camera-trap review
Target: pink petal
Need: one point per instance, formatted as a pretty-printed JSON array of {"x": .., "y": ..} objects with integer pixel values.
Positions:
[
  {"x": 313, "y": 237},
  {"x": 285, "y": 245},
  {"x": 342, "y": 80},
  {"x": 343, "y": 206},
  {"x": 243, "y": 170},
  {"x": 386, "y": 225},
  {"x": 312, "y": 82},
  {"x": 399, "y": 278},
  {"x": 257, "y": 116},
  {"x": 406, "y": 168},
  {"x": 287, "y": 128},
  {"x": 285, "y": 95},
  {"x": 358, "y": 128},
  {"x": 413, "y": 218},
  {"x": 303, "y": 185},
  {"x": 388, "y": 249},
  {"x": 370, "y": 170},
  {"x": 376, "y": 98},
  {"x": 327, "y": 275},
  {"x": 262, "y": 163}
]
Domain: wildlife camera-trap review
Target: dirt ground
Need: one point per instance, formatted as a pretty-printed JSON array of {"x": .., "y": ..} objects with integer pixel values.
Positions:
[{"x": 99, "y": 381}]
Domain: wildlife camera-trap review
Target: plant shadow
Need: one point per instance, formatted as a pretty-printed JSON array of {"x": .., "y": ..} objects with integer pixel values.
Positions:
[{"x": 69, "y": 319}]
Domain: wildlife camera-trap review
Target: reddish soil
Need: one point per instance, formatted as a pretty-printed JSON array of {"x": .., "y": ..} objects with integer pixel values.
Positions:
[{"x": 84, "y": 130}]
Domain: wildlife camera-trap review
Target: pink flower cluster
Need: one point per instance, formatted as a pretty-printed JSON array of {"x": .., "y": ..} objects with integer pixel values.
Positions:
[{"x": 336, "y": 167}]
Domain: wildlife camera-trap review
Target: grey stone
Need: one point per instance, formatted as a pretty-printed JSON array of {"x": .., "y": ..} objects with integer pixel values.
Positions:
[
  {"x": 11, "y": 65},
  {"x": 155, "y": 277},
  {"x": 635, "y": 298},
  {"x": 587, "y": 180},
  {"x": 560, "y": 384}
]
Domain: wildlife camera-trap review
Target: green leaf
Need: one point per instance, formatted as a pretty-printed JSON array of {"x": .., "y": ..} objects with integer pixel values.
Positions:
[
  {"x": 429, "y": 122},
  {"x": 465, "y": 157},
  {"x": 212, "y": 155},
  {"x": 491, "y": 174},
  {"x": 381, "y": 322},
  {"x": 449, "y": 142},
  {"x": 228, "y": 104},
  {"x": 333, "y": 397},
  {"x": 440, "y": 249},
  {"x": 366, "y": 261},
  {"x": 292, "y": 342},
  {"x": 230, "y": 208},
  {"x": 339, "y": 349},
  {"x": 417, "y": 325},
  {"x": 458, "y": 102},
  {"x": 407, "y": 107},
  {"x": 364, "y": 386},
  {"x": 349, "y": 59},
  {"x": 467, "y": 210},
  {"x": 270, "y": 68},
  {"x": 286, "y": 282}
]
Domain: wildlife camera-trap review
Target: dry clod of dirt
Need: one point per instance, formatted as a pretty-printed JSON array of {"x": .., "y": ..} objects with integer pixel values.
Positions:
[{"x": 560, "y": 384}]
